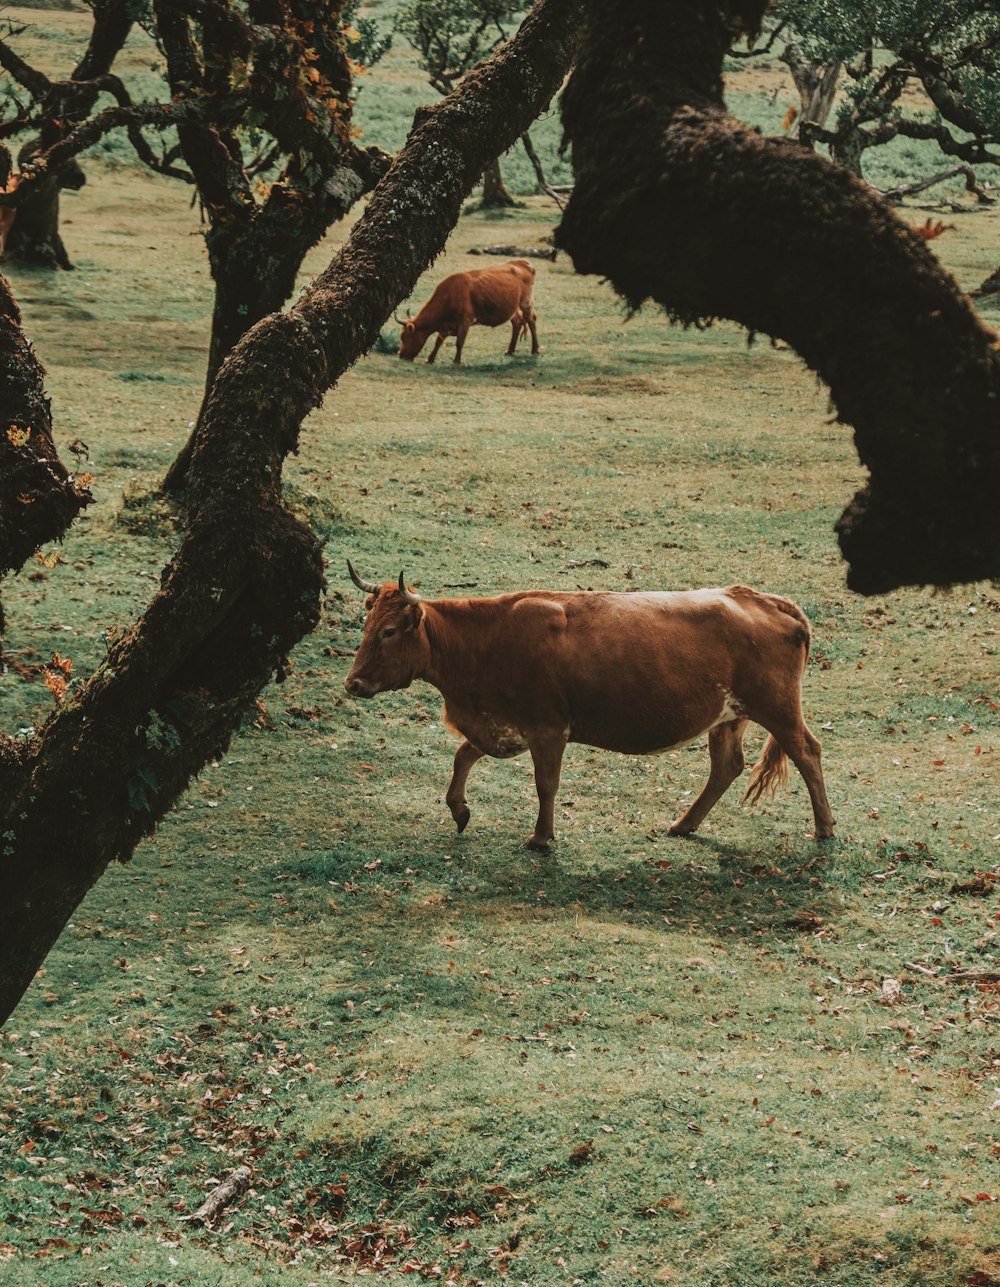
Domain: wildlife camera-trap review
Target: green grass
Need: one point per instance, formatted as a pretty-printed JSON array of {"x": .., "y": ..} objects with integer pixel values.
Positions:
[{"x": 636, "y": 1059}]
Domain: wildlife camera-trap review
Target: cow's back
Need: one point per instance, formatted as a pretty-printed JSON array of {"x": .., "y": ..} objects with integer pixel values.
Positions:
[{"x": 495, "y": 294}]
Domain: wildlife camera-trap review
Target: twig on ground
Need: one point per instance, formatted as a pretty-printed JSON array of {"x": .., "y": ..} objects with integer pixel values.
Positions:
[{"x": 221, "y": 1196}]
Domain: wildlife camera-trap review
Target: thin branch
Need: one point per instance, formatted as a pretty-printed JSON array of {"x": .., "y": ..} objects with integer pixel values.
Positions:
[
  {"x": 536, "y": 165},
  {"x": 896, "y": 195},
  {"x": 758, "y": 51},
  {"x": 975, "y": 151},
  {"x": 160, "y": 116},
  {"x": 35, "y": 82}
]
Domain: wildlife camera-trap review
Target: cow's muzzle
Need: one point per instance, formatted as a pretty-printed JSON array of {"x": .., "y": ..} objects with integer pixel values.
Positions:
[{"x": 359, "y": 687}]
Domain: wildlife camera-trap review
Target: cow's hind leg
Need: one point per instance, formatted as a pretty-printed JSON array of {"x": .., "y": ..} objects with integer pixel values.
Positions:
[
  {"x": 529, "y": 318},
  {"x": 465, "y": 757},
  {"x": 546, "y": 755},
  {"x": 803, "y": 749},
  {"x": 725, "y": 746}
]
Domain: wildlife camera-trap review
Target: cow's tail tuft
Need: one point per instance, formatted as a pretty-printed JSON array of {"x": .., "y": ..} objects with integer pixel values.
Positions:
[{"x": 769, "y": 773}]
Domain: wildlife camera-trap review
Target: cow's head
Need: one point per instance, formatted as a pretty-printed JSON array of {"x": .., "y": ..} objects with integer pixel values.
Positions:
[
  {"x": 392, "y": 647},
  {"x": 410, "y": 343}
]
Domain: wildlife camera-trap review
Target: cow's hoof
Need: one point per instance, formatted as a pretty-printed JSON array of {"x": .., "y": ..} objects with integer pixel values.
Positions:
[
  {"x": 462, "y": 819},
  {"x": 679, "y": 829},
  {"x": 538, "y": 846}
]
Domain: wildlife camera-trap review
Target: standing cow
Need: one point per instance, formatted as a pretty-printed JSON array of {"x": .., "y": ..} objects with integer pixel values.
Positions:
[
  {"x": 481, "y": 296},
  {"x": 638, "y": 673}
]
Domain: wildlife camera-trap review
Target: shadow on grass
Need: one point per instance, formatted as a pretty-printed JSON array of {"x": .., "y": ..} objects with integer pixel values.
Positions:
[{"x": 695, "y": 884}]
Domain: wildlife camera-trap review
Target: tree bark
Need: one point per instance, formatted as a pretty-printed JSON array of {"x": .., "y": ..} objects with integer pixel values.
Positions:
[
  {"x": 816, "y": 85},
  {"x": 255, "y": 254},
  {"x": 35, "y": 238},
  {"x": 245, "y": 583},
  {"x": 38, "y": 497},
  {"x": 676, "y": 201}
]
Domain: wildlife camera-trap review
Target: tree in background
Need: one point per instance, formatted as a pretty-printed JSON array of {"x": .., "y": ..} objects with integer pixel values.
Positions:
[
  {"x": 450, "y": 37},
  {"x": 261, "y": 101},
  {"x": 947, "y": 51},
  {"x": 270, "y": 86},
  {"x": 52, "y": 110}
]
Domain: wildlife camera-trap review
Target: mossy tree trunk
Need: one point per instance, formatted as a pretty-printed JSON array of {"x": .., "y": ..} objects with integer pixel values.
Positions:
[
  {"x": 245, "y": 583},
  {"x": 35, "y": 237},
  {"x": 39, "y": 498},
  {"x": 676, "y": 201}
]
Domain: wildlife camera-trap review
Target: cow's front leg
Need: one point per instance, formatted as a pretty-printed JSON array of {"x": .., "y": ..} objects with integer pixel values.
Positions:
[
  {"x": 465, "y": 757},
  {"x": 546, "y": 755},
  {"x": 437, "y": 346},
  {"x": 516, "y": 326},
  {"x": 460, "y": 334}
]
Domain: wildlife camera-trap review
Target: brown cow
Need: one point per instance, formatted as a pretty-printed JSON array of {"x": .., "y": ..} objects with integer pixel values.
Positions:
[
  {"x": 7, "y": 213},
  {"x": 638, "y": 673},
  {"x": 481, "y": 296}
]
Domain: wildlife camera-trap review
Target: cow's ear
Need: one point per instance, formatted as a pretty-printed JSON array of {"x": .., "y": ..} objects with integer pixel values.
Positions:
[{"x": 370, "y": 603}]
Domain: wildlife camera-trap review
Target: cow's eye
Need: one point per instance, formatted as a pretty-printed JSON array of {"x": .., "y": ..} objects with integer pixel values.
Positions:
[{"x": 388, "y": 632}]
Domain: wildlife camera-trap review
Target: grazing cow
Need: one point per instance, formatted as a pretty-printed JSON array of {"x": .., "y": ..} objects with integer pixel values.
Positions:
[
  {"x": 482, "y": 296},
  {"x": 637, "y": 673},
  {"x": 7, "y": 213}
]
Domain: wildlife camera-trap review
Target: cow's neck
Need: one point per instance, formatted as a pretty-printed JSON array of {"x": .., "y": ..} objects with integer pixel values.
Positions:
[{"x": 460, "y": 645}]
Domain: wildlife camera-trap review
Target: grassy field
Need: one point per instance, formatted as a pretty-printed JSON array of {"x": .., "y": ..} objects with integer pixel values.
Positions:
[{"x": 728, "y": 1060}]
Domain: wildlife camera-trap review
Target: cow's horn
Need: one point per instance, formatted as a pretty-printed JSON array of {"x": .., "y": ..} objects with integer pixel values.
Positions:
[
  {"x": 408, "y": 595},
  {"x": 369, "y": 587},
  {"x": 398, "y": 320}
]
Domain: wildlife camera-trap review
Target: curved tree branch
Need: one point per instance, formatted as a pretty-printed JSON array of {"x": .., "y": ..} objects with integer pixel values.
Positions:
[
  {"x": 160, "y": 116},
  {"x": 676, "y": 201},
  {"x": 974, "y": 151}
]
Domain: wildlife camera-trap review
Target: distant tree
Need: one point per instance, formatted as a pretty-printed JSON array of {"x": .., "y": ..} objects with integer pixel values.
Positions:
[
  {"x": 450, "y": 37},
  {"x": 261, "y": 101},
  {"x": 948, "y": 49},
  {"x": 269, "y": 85},
  {"x": 51, "y": 111}
]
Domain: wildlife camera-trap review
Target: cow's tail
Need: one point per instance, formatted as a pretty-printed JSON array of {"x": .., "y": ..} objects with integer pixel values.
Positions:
[{"x": 769, "y": 773}]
